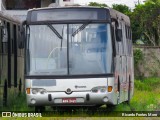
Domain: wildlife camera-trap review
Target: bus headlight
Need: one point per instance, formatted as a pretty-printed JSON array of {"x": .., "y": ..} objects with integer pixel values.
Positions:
[
  {"x": 38, "y": 90},
  {"x": 34, "y": 91},
  {"x": 43, "y": 91},
  {"x": 101, "y": 89}
]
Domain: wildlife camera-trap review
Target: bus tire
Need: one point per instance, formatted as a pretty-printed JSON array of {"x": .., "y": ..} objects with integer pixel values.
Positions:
[
  {"x": 110, "y": 107},
  {"x": 39, "y": 109}
]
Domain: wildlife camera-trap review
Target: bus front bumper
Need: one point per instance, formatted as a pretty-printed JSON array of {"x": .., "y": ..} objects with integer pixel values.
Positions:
[{"x": 74, "y": 99}]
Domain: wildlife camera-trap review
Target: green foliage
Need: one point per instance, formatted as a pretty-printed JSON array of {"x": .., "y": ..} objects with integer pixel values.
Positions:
[
  {"x": 141, "y": 86},
  {"x": 17, "y": 103},
  {"x": 97, "y": 4},
  {"x": 122, "y": 8},
  {"x": 143, "y": 99},
  {"x": 146, "y": 95},
  {"x": 148, "y": 84},
  {"x": 138, "y": 56},
  {"x": 122, "y": 107},
  {"x": 145, "y": 21}
]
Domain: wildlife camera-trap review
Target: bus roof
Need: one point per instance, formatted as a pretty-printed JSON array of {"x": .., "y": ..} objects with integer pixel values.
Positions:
[
  {"x": 116, "y": 15},
  {"x": 14, "y": 16},
  {"x": 70, "y": 14}
]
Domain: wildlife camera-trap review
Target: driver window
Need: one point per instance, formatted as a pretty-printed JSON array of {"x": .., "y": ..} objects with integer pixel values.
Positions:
[{"x": 4, "y": 37}]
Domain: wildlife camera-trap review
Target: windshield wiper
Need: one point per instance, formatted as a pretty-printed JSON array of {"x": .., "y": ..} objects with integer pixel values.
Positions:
[
  {"x": 55, "y": 31},
  {"x": 80, "y": 28},
  {"x": 62, "y": 37}
]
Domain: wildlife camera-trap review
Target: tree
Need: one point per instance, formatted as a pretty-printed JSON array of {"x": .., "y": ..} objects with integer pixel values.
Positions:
[
  {"x": 145, "y": 20},
  {"x": 97, "y": 4},
  {"x": 122, "y": 8}
]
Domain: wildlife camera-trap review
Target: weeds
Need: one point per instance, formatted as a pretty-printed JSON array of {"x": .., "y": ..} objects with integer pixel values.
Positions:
[
  {"x": 17, "y": 103},
  {"x": 146, "y": 95},
  {"x": 148, "y": 84}
]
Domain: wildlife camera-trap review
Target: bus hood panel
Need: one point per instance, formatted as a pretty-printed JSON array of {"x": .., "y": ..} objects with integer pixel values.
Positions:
[{"x": 60, "y": 85}]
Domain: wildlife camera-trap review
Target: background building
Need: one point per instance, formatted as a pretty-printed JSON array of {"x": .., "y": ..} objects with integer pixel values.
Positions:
[{"x": 29, "y": 4}]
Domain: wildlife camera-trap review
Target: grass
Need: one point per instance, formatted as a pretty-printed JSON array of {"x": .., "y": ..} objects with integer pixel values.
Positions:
[
  {"x": 148, "y": 84},
  {"x": 146, "y": 98},
  {"x": 17, "y": 103},
  {"x": 146, "y": 95}
]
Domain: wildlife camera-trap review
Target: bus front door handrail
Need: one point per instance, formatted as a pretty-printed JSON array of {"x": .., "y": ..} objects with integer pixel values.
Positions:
[{"x": 52, "y": 52}]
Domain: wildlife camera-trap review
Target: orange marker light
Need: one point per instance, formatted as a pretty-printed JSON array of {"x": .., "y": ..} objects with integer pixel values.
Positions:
[
  {"x": 28, "y": 90},
  {"x": 109, "y": 88}
]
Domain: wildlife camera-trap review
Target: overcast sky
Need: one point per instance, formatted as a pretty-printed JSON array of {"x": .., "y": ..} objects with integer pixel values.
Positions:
[{"x": 130, "y": 3}]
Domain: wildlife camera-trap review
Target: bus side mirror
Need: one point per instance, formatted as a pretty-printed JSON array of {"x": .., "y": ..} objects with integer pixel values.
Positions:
[
  {"x": 21, "y": 37},
  {"x": 119, "y": 35}
]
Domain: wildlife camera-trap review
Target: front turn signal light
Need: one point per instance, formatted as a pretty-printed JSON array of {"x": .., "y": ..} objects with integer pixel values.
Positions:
[
  {"x": 28, "y": 90},
  {"x": 109, "y": 88}
]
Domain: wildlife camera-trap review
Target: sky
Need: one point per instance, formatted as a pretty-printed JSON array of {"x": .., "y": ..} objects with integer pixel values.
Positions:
[{"x": 129, "y": 3}]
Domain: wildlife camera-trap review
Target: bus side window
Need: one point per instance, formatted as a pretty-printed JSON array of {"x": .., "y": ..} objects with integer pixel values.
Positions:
[
  {"x": 15, "y": 37},
  {"x": 128, "y": 38},
  {"x": 8, "y": 36},
  {"x": 12, "y": 39},
  {"x": 126, "y": 29},
  {"x": 1, "y": 33},
  {"x": 130, "y": 41},
  {"x": 113, "y": 40},
  {"x": 117, "y": 46},
  {"x": 124, "y": 40},
  {"x": 20, "y": 42},
  {"x": 4, "y": 37}
]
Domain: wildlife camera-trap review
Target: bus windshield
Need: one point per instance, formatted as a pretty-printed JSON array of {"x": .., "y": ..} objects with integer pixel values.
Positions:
[{"x": 69, "y": 49}]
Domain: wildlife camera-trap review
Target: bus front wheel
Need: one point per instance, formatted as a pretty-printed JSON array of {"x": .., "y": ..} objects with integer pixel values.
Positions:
[{"x": 39, "y": 109}]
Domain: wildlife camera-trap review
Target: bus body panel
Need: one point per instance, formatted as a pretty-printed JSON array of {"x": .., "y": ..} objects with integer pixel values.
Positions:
[
  {"x": 84, "y": 88},
  {"x": 64, "y": 84}
]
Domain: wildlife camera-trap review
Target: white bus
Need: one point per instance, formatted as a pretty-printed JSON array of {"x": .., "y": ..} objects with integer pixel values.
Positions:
[{"x": 78, "y": 56}]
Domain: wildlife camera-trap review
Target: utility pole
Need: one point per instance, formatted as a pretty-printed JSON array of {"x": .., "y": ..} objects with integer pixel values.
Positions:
[
  {"x": 136, "y": 2},
  {"x": 55, "y": 1}
]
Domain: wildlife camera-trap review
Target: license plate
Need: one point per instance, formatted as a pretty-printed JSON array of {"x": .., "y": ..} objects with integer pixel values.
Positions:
[{"x": 69, "y": 100}]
